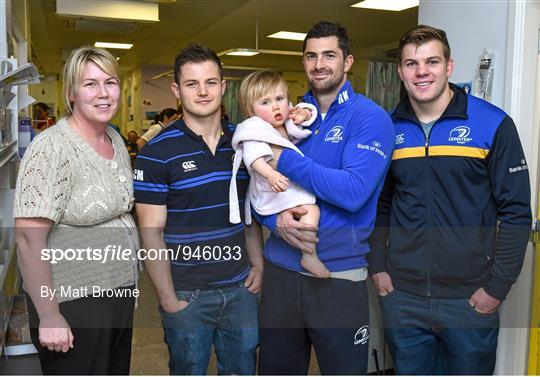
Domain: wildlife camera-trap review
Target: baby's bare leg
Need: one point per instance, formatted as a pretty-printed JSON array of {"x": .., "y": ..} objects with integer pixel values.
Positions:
[{"x": 310, "y": 261}]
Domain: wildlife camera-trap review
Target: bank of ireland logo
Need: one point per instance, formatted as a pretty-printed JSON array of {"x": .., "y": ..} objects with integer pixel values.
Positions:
[
  {"x": 189, "y": 166},
  {"x": 335, "y": 135},
  {"x": 460, "y": 134},
  {"x": 362, "y": 335},
  {"x": 521, "y": 167}
]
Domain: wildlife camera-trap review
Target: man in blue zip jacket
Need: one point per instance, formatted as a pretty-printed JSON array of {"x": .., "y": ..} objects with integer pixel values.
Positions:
[
  {"x": 453, "y": 220},
  {"x": 346, "y": 159}
]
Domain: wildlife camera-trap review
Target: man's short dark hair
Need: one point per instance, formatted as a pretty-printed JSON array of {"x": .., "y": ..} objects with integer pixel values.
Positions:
[
  {"x": 421, "y": 34},
  {"x": 168, "y": 112},
  {"x": 42, "y": 106},
  {"x": 323, "y": 29},
  {"x": 195, "y": 53}
]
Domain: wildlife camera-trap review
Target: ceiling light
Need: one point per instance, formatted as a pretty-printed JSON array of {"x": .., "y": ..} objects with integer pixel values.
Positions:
[
  {"x": 241, "y": 52},
  {"x": 244, "y": 68},
  {"x": 392, "y": 5},
  {"x": 122, "y": 46},
  {"x": 170, "y": 73},
  {"x": 288, "y": 35},
  {"x": 255, "y": 51},
  {"x": 127, "y": 10}
]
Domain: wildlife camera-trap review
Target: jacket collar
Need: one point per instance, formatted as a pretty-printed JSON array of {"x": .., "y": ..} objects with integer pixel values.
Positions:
[
  {"x": 457, "y": 108},
  {"x": 181, "y": 125},
  {"x": 346, "y": 94}
]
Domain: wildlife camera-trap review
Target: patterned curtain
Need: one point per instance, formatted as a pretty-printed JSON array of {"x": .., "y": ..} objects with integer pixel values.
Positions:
[
  {"x": 230, "y": 100},
  {"x": 383, "y": 84}
]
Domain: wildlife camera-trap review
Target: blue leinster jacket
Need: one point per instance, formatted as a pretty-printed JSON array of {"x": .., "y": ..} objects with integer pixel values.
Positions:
[
  {"x": 455, "y": 212},
  {"x": 344, "y": 164}
]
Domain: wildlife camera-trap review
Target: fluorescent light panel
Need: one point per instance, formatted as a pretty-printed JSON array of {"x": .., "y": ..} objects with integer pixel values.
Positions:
[
  {"x": 253, "y": 51},
  {"x": 242, "y": 52},
  {"x": 288, "y": 35},
  {"x": 121, "y": 46},
  {"x": 391, "y": 5},
  {"x": 128, "y": 10}
]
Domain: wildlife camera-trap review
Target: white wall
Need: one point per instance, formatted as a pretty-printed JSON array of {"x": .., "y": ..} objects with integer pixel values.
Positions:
[
  {"x": 158, "y": 91},
  {"x": 522, "y": 77},
  {"x": 129, "y": 116},
  {"x": 470, "y": 27},
  {"x": 509, "y": 29},
  {"x": 520, "y": 99}
]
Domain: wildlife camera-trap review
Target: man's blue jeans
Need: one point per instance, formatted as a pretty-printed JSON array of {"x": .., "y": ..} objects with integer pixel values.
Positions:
[
  {"x": 225, "y": 317},
  {"x": 430, "y": 336}
]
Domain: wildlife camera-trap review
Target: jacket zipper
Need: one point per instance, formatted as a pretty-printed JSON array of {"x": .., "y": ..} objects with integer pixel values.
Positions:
[
  {"x": 316, "y": 132},
  {"x": 429, "y": 222}
]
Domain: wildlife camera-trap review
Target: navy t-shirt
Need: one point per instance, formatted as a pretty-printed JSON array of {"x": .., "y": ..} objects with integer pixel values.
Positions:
[{"x": 178, "y": 170}]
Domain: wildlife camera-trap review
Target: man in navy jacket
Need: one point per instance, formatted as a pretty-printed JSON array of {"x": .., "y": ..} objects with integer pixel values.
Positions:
[
  {"x": 346, "y": 159},
  {"x": 453, "y": 219}
]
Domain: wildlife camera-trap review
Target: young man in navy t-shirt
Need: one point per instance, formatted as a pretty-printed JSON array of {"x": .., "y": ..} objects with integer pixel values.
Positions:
[{"x": 207, "y": 285}]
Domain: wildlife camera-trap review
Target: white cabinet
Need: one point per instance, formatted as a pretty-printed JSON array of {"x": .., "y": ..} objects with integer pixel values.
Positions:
[
  {"x": 8, "y": 164},
  {"x": 9, "y": 276}
]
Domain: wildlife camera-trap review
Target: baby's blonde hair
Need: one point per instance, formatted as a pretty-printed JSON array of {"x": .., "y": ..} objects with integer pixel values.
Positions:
[{"x": 256, "y": 85}]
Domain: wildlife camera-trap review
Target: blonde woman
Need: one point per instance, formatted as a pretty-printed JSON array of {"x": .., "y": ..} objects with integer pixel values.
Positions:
[{"x": 73, "y": 197}]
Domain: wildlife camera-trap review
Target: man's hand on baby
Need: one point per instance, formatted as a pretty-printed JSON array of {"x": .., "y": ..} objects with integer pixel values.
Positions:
[
  {"x": 278, "y": 181},
  {"x": 299, "y": 115}
]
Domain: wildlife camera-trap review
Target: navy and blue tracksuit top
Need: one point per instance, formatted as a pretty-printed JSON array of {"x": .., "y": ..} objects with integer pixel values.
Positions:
[
  {"x": 455, "y": 212},
  {"x": 346, "y": 159}
]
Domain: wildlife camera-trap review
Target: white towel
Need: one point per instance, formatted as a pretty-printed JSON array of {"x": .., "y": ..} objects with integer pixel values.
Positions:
[{"x": 251, "y": 141}]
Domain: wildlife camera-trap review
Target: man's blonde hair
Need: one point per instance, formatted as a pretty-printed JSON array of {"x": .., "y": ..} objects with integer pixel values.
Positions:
[
  {"x": 421, "y": 34},
  {"x": 256, "y": 85},
  {"x": 74, "y": 69}
]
